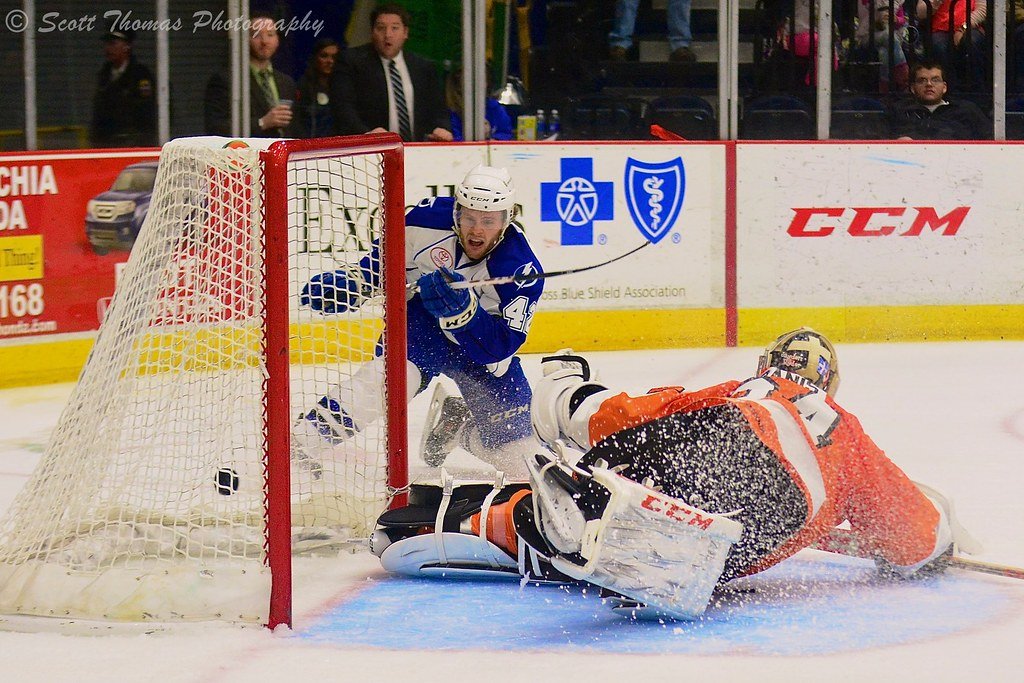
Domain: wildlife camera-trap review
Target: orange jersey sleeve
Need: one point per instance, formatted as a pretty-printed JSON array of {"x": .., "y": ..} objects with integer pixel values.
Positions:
[{"x": 623, "y": 411}]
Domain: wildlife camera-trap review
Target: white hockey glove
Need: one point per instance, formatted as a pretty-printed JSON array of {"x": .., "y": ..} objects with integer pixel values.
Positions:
[{"x": 558, "y": 398}]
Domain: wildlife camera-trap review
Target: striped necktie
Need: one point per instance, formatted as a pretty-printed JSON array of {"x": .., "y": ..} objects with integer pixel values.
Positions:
[{"x": 398, "y": 91}]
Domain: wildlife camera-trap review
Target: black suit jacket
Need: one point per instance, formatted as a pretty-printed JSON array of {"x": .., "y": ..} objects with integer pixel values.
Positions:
[
  {"x": 124, "y": 109},
  {"x": 359, "y": 94},
  {"x": 217, "y": 105}
]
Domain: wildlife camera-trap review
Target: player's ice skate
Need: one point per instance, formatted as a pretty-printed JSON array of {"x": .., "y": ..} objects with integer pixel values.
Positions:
[{"x": 445, "y": 425}]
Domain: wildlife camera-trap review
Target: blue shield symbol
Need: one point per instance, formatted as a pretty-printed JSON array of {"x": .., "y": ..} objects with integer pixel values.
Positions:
[{"x": 654, "y": 195}]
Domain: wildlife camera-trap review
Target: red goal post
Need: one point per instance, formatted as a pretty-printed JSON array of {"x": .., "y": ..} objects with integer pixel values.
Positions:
[{"x": 277, "y": 158}]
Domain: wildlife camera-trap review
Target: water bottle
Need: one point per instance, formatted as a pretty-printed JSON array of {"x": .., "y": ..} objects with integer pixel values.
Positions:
[
  {"x": 554, "y": 124},
  {"x": 542, "y": 125}
]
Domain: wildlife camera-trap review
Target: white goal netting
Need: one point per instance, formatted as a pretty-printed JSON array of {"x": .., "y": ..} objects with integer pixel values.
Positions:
[{"x": 150, "y": 501}]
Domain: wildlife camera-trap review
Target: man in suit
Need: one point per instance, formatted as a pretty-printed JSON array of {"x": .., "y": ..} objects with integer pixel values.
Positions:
[
  {"x": 379, "y": 87},
  {"x": 271, "y": 92}
]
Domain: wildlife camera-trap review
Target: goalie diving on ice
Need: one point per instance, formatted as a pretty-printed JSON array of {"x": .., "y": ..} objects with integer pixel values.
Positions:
[
  {"x": 470, "y": 335},
  {"x": 678, "y": 492}
]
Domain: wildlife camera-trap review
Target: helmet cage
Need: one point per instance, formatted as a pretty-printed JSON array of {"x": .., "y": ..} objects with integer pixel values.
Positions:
[{"x": 806, "y": 353}]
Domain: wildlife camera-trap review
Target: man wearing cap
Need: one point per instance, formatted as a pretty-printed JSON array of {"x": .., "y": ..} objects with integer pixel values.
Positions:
[{"x": 124, "y": 106}]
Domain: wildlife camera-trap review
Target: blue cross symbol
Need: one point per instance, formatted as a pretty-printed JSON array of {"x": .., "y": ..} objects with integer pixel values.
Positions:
[{"x": 576, "y": 201}]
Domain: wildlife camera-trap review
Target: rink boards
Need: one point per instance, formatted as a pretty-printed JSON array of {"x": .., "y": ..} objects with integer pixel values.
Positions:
[{"x": 867, "y": 242}]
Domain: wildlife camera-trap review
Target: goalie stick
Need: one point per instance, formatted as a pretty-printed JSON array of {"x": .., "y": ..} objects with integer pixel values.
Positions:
[
  {"x": 842, "y": 542},
  {"x": 530, "y": 277}
]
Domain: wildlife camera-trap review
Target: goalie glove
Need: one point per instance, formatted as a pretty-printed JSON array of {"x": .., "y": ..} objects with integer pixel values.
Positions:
[
  {"x": 564, "y": 400},
  {"x": 335, "y": 291}
]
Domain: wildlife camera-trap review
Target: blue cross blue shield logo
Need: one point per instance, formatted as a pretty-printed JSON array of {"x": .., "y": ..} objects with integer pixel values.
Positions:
[
  {"x": 654, "y": 195},
  {"x": 577, "y": 200}
]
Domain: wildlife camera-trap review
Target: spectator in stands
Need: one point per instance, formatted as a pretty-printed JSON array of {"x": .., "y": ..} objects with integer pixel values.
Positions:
[
  {"x": 874, "y": 23},
  {"x": 271, "y": 92},
  {"x": 379, "y": 86},
  {"x": 929, "y": 116},
  {"x": 621, "y": 37},
  {"x": 497, "y": 122},
  {"x": 957, "y": 40},
  {"x": 1015, "y": 24},
  {"x": 124, "y": 106},
  {"x": 313, "y": 102},
  {"x": 791, "y": 51}
]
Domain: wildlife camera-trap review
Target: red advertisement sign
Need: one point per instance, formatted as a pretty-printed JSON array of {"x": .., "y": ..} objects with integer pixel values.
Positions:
[{"x": 67, "y": 221}]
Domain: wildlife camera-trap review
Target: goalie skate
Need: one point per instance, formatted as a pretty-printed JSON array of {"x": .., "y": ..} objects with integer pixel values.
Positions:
[{"x": 445, "y": 424}]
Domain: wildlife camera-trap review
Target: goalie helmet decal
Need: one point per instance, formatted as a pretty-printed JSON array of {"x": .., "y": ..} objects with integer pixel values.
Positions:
[{"x": 806, "y": 353}]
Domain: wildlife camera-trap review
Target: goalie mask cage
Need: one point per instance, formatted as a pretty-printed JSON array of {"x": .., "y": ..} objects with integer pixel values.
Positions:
[{"x": 171, "y": 489}]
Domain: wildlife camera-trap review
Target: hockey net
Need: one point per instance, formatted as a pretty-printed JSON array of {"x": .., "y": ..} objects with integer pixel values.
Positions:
[{"x": 170, "y": 489}]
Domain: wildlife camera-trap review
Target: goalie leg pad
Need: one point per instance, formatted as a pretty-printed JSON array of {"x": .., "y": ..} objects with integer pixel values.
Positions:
[
  {"x": 465, "y": 555},
  {"x": 648, "y": 546},
  {"x": 564, "y": 400},
  {"x": 404, "y": 548}
]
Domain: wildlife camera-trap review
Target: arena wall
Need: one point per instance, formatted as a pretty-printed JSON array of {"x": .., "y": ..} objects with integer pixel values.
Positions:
[{"x": 864, "y": 241}]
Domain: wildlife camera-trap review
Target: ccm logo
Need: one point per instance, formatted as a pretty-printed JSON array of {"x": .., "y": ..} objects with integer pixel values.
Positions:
[
  {"x": 508, "y": 414},
  {"x": 676, "y": 512},
  {"x": 870, "y": 221}
]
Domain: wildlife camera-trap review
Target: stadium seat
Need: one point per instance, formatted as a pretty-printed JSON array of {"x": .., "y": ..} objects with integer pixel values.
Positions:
[
  {"x": 859, "y": 118},
  {"x": 777, "y": 117},
  {"x": 1015, "y": 119},
  {"x": 604, "y": 117},
  {"x": 688, "y": 116}
]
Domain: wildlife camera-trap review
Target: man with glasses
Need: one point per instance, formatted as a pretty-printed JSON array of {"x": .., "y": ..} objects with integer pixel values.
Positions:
[{"x": 930, "y": 116}]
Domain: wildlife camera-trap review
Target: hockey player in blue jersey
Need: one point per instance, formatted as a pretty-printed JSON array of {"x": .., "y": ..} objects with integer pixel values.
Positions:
[{"x": 469, "y": 335}]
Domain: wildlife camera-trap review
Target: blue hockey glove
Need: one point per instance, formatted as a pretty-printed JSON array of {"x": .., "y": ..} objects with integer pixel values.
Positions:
[
  {"x": 331, "y": 292},
  {"x": 453, "y": 308}
]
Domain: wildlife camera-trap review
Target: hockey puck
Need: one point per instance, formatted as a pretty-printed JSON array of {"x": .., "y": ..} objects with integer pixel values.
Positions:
[{"x": 226, "y": 481}]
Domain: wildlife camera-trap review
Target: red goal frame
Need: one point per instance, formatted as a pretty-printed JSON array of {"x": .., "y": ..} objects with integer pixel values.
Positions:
[{"x": 278, "y": 421}]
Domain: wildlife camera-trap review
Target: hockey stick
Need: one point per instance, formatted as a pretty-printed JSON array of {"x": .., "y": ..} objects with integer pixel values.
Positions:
[
  {"x": 842, "y": 542},
  {"x": 530, "y": 277}
]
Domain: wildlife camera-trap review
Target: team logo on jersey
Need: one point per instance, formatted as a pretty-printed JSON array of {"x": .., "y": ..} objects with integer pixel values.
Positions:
[
  {"x": 577, "y": 200},
  {"x": 654, "y": 195},
  {"x": 526, "y": 269},
  {"x": 441, "y": 257}
]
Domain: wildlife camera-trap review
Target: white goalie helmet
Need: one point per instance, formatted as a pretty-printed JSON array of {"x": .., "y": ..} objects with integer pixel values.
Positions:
[{"x": 806, "y": 353}]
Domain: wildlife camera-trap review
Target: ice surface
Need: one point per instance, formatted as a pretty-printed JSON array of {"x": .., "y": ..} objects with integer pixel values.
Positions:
[{"x": 951, "y": 414}]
